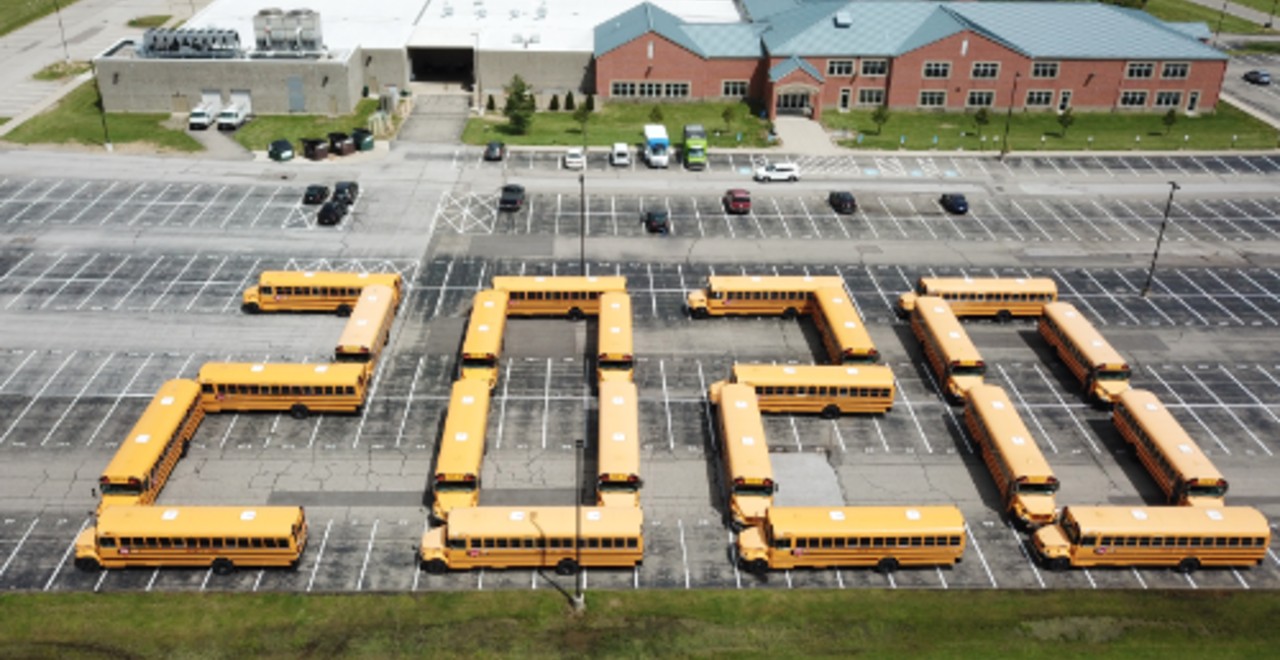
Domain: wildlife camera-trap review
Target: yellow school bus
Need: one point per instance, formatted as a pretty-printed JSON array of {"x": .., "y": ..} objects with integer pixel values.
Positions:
[
  {"x": 313, "y": 291},
  {"x": 745, "y": 454},
  {"x": 953, "y": 357},
  {"x": 615, "y": 353},
  {"x": 535, "y": 537},
  {"x": 1101, "y": 370},
  {"x": 1025, "y": 480},
  {"x": 827, "y": 390},
  {"x": 299, "y": 389},
  {"x": 843, "y": 333},
  {"x": 1183, "y": 537},
  {"x": 223, "y": 538},
  {"x": 147, "y": 456},
  {"x": 618, "y": 482},
  {"x": 482, "y": 345},
  {"x": 758, "y": 295},
  {"x": 575, "y": 297},
  {"x": 885, "y": 537},
  {"x": 457, "y": 474},
  {"x": 1172, "y": 458},
  {"x": 368, "y": 329},
  {"x": 1001, "y": 297}
]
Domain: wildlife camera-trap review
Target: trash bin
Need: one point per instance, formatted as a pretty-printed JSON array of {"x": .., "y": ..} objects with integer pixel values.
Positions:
[
  {"x": 315, "y": 148},
  {"x": 363, "y": 139},
  {"x": 341, "y": 144}
]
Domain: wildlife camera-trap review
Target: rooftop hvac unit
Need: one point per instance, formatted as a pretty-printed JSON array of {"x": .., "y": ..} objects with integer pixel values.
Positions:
[
  {"x": 843, "y": 19},
  {"x": 304, "y": 27},
  {"x": 517, "y": 39},
  {"x": 266, "y": 24},
  {"x": 190, "y": 43}
]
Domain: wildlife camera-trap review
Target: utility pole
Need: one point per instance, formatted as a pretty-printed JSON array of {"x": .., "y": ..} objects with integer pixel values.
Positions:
[
  {"x": 1151, "y": 272},
  {"x": 1008, "y": 117},
  {"x": 579, "y": 601}
]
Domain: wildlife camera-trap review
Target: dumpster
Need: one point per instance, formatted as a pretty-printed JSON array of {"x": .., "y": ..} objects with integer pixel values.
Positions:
[
  {"x": 315, "y": 148},
  {"x": 363, "y": 139},
  {"x": 341, "y": 144}
]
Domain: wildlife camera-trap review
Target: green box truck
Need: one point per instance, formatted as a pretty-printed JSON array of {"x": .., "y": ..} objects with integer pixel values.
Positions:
[{"x": 695, "y": 147}]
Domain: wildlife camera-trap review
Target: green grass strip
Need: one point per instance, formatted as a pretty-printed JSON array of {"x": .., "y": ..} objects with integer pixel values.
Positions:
[
  {"x": 624, "y": 122},
  {"x": 262, "y": 130},
  {"x": 76, "y": 119}
]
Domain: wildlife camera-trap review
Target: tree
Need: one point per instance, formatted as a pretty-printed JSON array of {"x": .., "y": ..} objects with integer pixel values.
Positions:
[
  {"x": 591, "y": 103},
  {"x": 1065, "y": 119},
  {"x": 583, "y": 116},
  {"x": 728, "y": 116},
  {"x": 569, "y": 105},
  {"x": 491, "y": 106},
  {"x": 519, "y": 106},
  {"x": 981, "y": 118},
  {"x": 1170, "y": 118},
  {"x": 655, "y": 115},
  {"x": 881, "y": 117},
  {"x": 555, "y": 103}
]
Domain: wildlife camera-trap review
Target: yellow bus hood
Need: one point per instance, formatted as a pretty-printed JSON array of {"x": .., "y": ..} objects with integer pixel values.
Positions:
[
  {"x": 1035, "y": 509},
  {"x": 752, "y": 508},
  {"x": 447, "y": 501},
  {"x": 1050, "y": 542},
  {"x": 619, "y": 499},
  {"x": 697, "y": 299},
  {"x": 962, "y": 384},
  {"x": 432, "y": 544},
  {"x": 250, "y": 295},
  {"x": 751, "y": 545},
  {"x": 1110, "y": 390},
  {"x": 907, "y": 301},
  {"x": 86, "y": 545}
]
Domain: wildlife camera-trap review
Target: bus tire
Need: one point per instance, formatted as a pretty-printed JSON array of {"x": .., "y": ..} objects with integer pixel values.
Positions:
[
  {"x": 1004, "y": 316},
  {"x": 887, "y": 565},
  {"x": 436, "y": 567},
  {"x": 88, "y": 564},
  {"x": 186, "y": 447},
  {"x": 757, "y": 567},
  {"x": 567, "y": 567},
  {"x": 832, "y": 411},
  {"x": 223, "y": 566},
  {"x": 736, "y": 525},
  {"x": 790, "y": 313},
  {"x": 1188, "y": 565},
  {"x": 700, "y": 313},
  {"x": 344, "y": 310},
  {"x": 576, "y": 314},
  {"x": 299, "y": 411},
  {"x": 251, "y": 308},
  {"x": 1058, "y": 564}
]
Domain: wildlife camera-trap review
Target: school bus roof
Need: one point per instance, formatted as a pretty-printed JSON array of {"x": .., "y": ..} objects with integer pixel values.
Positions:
[
  {"x": 1167, "y": 520},
  {"x": 619, "y": 441},
  {"x": 773, "y": 282},
  {"x": 377, "y": 302},
  {"x": 198, "y": 520},
  {"x": 934, "y": 285},
  {"x": 1163, "y": 428},
  {"x": 1008, "y": 433},
  {"x": 146, "y": 441},
  {"x": 465, "y": 426},
  {"x": 327, "y": 278},
  {"x": 835, "y": 521},
  {"x": 745, "y": 447},
  {"x": 533, "y": 522},
  {"x": 942, "y": 324},
  {"x": 487, "y": 324},
  {"x": 247, "y": 373},
  {"x": 560, "y": 283},
  {"x": 1096, "y": 349},
  {"x": 614, "y": 327},
  {"x": 762, "y": 375}
]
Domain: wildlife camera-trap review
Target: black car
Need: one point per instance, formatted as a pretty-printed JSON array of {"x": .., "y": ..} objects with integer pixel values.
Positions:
[
  {"x": 657, "y": 222},
  {"x": 512, "y": 198},
  {"x": 495, "y": 151},
  {"x": 346, "y": 192},
  {"x": 316, "y": 194},
  {"x": 280, "y": 150},
  {"x": 842, "y": 202},
  {"x": 1258, "y": 77},
  {"x": 331, "y": 213},
  {"x": 954, "y": 203}
]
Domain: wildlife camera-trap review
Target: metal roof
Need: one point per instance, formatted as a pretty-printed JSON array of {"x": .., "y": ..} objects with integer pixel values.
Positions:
[
  {"x": 638, "y": 21},
  {"x": 791, "y": 65},
  {"x": 1198, "y": 31},
  {"x": 874, "y": 28},
  {"x": 728, "y": 40}
]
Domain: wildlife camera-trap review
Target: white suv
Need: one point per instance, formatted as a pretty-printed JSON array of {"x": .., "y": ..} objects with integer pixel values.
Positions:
[
  {"x": 574, "y": 159},
  {"x": 778, "y": 172}
]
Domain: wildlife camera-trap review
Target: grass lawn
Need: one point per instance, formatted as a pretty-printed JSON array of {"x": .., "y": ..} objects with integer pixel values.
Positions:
[
  {"x": 262, "y": 130},
  {"x": 624, "y": 122},
  {"x": 1184, "y": 11},
  {"x": 17, "y": 13},
  {"x": 1264, "y": 6},
  {"x": 154, "y": 20},
  {"x": 1109, "y": 131},
  {"x": 660, "y": 623},
  {"x": 61, "y": 70},
  {"x": 1260, "y": 47},
  {"x": 76, "y": 119}
]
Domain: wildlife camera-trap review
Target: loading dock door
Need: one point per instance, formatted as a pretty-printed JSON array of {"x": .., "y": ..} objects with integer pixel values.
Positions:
[
  {"x": 448, "y": 65},
  {"x": 297, "y": 99},
  {"x": 244, "y": 97},
  {"x": 211, "y": 97}
]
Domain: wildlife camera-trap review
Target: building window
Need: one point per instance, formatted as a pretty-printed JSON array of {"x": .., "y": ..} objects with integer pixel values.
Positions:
[
  {"x": 1175, "y": 70},
  {"x": 839, "y": 67},
  {"x": 650, "y": 89},
  {"x": 1132, "y": 99},
  {"x": 985, "y": 70},
  {"x": 677, "y": 90},
  {"x": 1168, "y": 99},
  {"x": 737, "y": 88},
  {"x": 1140, "y": 70},
  {"x": 979, "y": 99},
  {"x": 622, "y": 89},
  {"x": 875, "y": 67},
  {"x": 1038, "y": 98},
  {"x": 1044, "y": 70},
  {"x": 933, "y": 99},
  {"x": 937, "y": 69},
  {"x": 871, "y": 97}
]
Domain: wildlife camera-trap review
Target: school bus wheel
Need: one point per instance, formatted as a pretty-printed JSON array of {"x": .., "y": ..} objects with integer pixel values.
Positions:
[
  {"x": 436, "y": 567},
  {"x": 700, "y": 313},
  {"x": 576, "y": 314},
  {"x": 88, "y": 564},
  {"x": 344, "y": 310},
  {"x": 567, "y": 567},
  {"x": 757, "y": 566},
  {"x": 223, "y": 566},
  {"x": 832, "y": 411},
  {"x": 887, "y": 565},
  {"x": 299, "y": 411},
  {"x": 1004, "y": 316},
  {"x": 1188, "y": 565},
  {"x": 1059, "y": 564},
  {"x": 251, "y": 308}
]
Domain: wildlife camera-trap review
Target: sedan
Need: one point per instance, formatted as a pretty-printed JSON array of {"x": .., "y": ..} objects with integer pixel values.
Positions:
[
  {"x": 495, "y": 151},
  {"x": 842, "y": 201},
  {"x": 512, "y": 198},
  {"x": 657, "y": 222},
  {"x": 574, "y": 159},
  {"x": 346, "y": 192},
  {"x": 332, "y": 213},
  {"x": 1258, "y": 77},
  {"x": 954, "y": 203},
  {"x": 316, "y": 194},
  {"x": 737, "y": 200}
]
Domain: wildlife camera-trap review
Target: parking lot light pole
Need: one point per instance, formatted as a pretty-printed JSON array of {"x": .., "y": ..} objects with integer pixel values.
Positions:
[
  {"x": 1008, "y": 116},
  {"x": 1271, "y": 15},
  {"x": 579, "y": 602},
  {"x": 1151, "y": 272},
  {"x": 102, "y": 107},
  {"x": 582, "y": 221}
]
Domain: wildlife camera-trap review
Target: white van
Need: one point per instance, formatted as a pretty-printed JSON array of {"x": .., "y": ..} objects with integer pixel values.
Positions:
[
  {"x": 232, "y": 117},
  {"x": 202, "y": 117},
  {"x": 620, "y": 154}
]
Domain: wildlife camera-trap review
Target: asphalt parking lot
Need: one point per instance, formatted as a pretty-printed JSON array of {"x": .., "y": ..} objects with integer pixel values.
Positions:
[{"x": 1261, "y": 97}]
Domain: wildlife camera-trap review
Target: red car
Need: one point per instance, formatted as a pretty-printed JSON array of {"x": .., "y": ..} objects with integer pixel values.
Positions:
[{"x": 737, "y": 200}]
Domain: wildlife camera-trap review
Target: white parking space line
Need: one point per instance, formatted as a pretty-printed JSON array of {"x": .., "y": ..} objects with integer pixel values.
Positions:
[
  {"x": 706, "y": 409},
  {"x": 1122, "y": 307},
  {"x": 1035, "y": 419},
  {"x": 70, "y": 547},
  {"x": 18, "y": 369},
  {"x": 1260, "y": 288},
  {"x": 1110, "y": 217},
  {"x": 207, "y": 282},
  {"x": 172, "y": 282},
  {"x": 204, "y": 208},
  {"x": 66, "y": 200},
  {"x": 1265, "y": 408},
  {"x": 180, "y": 205},
  {"x": 366, "y": 407},
  {"x": 1168, "y": 319},
  {"x": 115, "y": 404},
  {"x": 1007, "y": 223},
  {"x": 1228, "y": 410},
  {"x": 1224, "y": 164},
  {"x": 76, "y": 399},
  {"x": 1210, "y": 298},
  {"x": 1076, "y": 294},
  {"x": 135, "y": 286},
  {"x": 684, "y": 553},
  {"x": 31, "y": 404},
  {"x": 18, "y": 548},
  {"x": 232, "y": 213},
  {"x": 122, "y": 203},
  {"x": 89, "y": 206},
  {"x": 1156, "y": 282},
  {"x": 364, "y": 566},
  {"x": 894, "y": 218},
  {"x": 238, "y": 293},
  {"x": 1227, "y": 221},
  {"x": 147, "y": 207},
  {"x": 16, "y": 266},
  {"x": 926, "y": 222},
  {"x": 666, "y": 403},
  {"x": 67, "y": 282},
  {"x": 1189, "y": 409},
  {"x": 1064, "y": 406},
  {"x": 1033, "y": 222},
  {"x": 32, "y": 283},
  {"x": 1183, "y": 210},
  {"x": 1262, "y": 225},
  {"x": 319, "y": 555},
  {"x": 870, "y": 225},
  {"x": 1245, "y": 299},
  {"x": 981, "y": 557},
  {"x": 1022, "y": 548},
  {"x": 924, "y": 437},
  {"x": 546, "y": 403},
  {"x": 408, "y": 401},
  {"x": 1103, "y": 166},
  {"x": 266, "y": 205},
  {"x": 1048, "y": 209}
]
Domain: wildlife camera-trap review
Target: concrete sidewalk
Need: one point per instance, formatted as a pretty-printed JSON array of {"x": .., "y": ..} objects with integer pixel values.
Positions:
[{"x": 1239, "y": 11}]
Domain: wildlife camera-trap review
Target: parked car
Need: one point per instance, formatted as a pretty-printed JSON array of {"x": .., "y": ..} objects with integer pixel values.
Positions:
[
  {"x": 842, "y": 201},
  {"x": 575, "y": 159},
  {"x": 346, "y": 192},
  {"x": 778, "y": 172},
  {"x": 316, "y": 194},
  {"x": 657, "y": 222},
  {"x": 620, "y": 155},
  {"x": 512, "y": 198},
  {"x": 495, "y": 151},
  {"x": 954, "y": 203},
  {"x": 280, "y": 150},
  {"x": 331, "y": 213},
  {"x": 737, "y": 200},
  {"x": 1258, "y": 77}
]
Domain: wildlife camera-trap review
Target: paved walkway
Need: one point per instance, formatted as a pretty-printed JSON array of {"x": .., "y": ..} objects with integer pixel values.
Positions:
[
  {"x": 1240, "y": 11},
  {"x": 805, "y": 136}
]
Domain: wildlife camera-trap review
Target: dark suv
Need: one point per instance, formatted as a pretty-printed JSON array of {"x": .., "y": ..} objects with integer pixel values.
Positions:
[
  {"x": 331, "y": 213},
  {"x": 316, "y": 194},
  {"x": 512, "y": 198},
  {"x": 657, "y": 222},
  {"x": 954, "y": 203},
  {"x": 842, "y": 202},
  {"x": 346, "y": 192}
]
